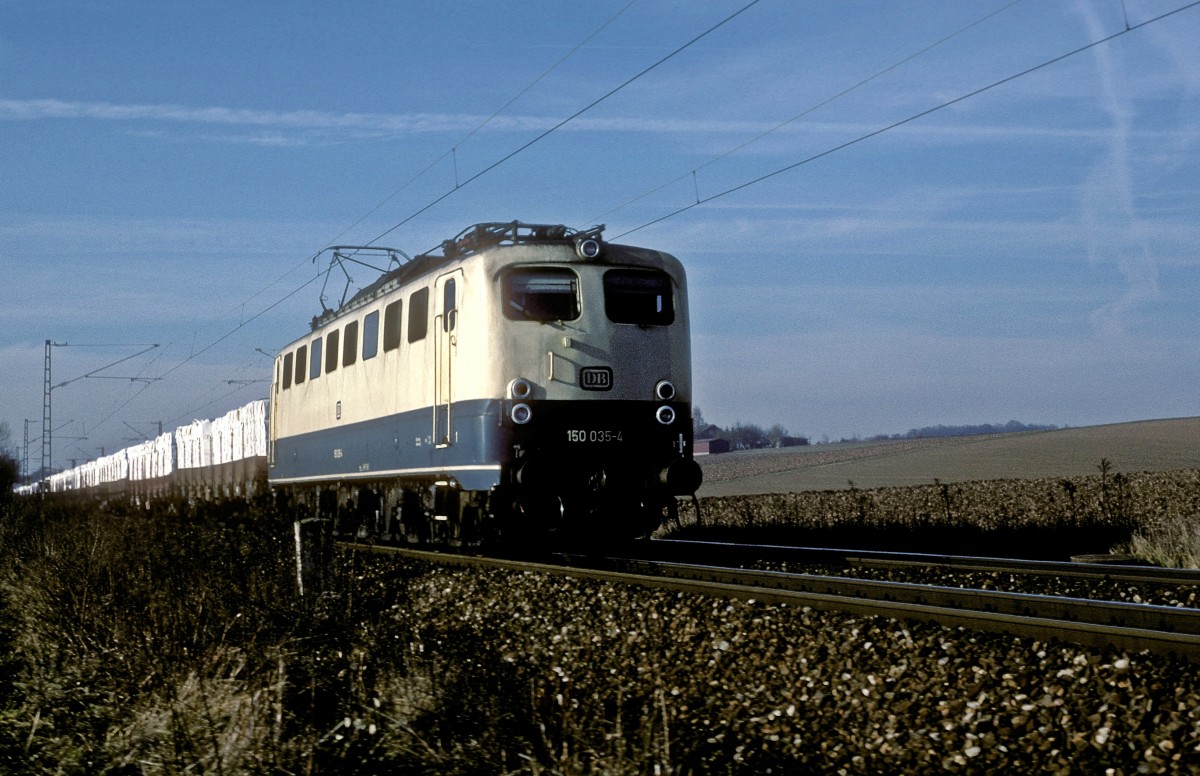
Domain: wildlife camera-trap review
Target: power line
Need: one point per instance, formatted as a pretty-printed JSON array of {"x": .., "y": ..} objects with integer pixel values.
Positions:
[
  {"x": 483, "y": 172},
  {"x": 467, "y": 137},
  {"x": 454, "y": 148},
  {"x": 243, "y": 324},
  {"x": 910, "y": 119},
  {"x": 457, "y": 186},
  {"x": 805, "y": 112},
  {"x": 571, "y": 118}
]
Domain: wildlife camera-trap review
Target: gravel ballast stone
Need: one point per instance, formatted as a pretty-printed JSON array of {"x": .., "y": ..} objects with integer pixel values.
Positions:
[{"x": 615, "y": 675}]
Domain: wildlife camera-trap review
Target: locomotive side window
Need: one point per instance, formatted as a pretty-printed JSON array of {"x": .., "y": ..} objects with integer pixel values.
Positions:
[
  {"x": 287, "y": 371},
  {"x": 638, "y": 296},
  {"x": 370, "y": 335},
  {"x": 301, "y": 363},
  {"x": 540, "y": 294},
  {"x": 418, "y": 315},
  {"x": 331, "y": 351},
  {"x": 392, "y": 315},
  {"x": 449, "y": 305},
  {"x": 314, "y": 367},
  {"x": 350, "y": 351}
]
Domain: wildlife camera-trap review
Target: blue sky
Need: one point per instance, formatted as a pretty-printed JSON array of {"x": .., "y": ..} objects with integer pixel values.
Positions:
[{"x": 168, "y": 169}]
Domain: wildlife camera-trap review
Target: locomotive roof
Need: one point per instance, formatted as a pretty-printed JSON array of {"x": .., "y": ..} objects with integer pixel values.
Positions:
[{"x": 472, "y": 240}]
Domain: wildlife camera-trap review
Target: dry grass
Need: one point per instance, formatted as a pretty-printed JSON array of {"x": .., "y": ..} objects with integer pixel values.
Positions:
[
  {"x": 168, "y": 644},
  {"x": 1172, "y": 540}
]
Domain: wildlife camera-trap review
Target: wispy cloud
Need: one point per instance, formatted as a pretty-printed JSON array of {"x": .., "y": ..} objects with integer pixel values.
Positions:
[
  {"x": 276, "y": 124},
  {"x": 1114, "y": 227},
  {"x": 40, "y": 109}
]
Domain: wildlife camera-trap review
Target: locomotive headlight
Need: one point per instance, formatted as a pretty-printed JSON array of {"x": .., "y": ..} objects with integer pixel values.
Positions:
[
  {"x": 520, "y": 389},
  {"x": 665, "y": 390},
  {"x": 665, "y": 415},
  {"x": 521, "y": 414},
  {"x": 588, "y": 249}
]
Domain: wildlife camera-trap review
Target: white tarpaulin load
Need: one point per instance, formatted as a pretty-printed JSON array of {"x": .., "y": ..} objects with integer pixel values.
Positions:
[
  {"x": 64, "y": 480},
  {"x": 152, "y": 459},
  {"x": 164, "y": 455},
  {"x": 193, "y": 443},
  {"x": 113, "y": 468},
  {"x": 141, "y": 458},
  {"x": 240, "y": 433},
  {"x": 255, "y": 423}
]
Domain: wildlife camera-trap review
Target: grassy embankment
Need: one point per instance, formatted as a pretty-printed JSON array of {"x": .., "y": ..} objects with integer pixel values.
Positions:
[
  {"x": 159, "y": 643},
  {"x": 167, "y": 643}
]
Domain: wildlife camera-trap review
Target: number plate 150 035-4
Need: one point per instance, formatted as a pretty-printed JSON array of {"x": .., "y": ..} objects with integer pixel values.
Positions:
[{"x": 586, "y": 436}]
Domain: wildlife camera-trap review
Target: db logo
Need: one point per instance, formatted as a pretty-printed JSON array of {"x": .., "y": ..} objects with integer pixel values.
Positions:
[{"x": 596, "y": 378}]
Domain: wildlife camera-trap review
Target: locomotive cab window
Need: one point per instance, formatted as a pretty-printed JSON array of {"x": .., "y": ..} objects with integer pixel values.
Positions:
[
  {"x": 540, "y": 294},
  {"x": 449, "y": 305},
  {"x": 638, "y": 296},
  {"x": 287, "y": 371}
]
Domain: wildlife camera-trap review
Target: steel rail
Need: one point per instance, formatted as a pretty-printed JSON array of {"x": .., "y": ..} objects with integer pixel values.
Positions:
[
  {"x": 1129, "y": 627},
  {"x": 729, "y": 554}
]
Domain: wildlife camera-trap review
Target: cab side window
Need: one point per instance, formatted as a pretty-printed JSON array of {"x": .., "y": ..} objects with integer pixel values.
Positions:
[{"x": 449, "y": 305}]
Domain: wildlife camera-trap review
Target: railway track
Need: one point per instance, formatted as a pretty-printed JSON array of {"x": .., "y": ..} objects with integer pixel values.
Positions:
[
  {"x": 1131, "y": 627},
  {"x": 722, "y": 553}
]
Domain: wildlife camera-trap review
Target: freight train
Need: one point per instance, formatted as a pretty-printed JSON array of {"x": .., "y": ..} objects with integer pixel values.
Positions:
[{"x": 529, "y": 380}]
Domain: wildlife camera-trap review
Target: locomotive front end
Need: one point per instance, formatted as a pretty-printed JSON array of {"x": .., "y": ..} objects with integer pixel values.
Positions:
[{"x": 597, "y": 386}]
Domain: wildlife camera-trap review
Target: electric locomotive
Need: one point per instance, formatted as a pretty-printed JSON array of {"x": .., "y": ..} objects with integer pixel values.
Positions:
[{"x": 531, "y": 380}]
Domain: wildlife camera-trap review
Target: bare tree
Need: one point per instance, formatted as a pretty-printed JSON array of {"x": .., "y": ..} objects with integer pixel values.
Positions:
[{"x": 775, "y": 435}]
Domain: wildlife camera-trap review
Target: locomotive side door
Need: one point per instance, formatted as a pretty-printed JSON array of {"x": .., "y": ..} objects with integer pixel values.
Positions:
[{"x": 447, "y": 303}]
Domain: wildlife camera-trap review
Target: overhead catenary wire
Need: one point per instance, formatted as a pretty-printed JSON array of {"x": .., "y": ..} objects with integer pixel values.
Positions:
[
  {"x": 570, "y": 118},
  {"x": 805, "y": 112},
  {"x": 698, "y": 199},
  {"x": 245, "y": 321},
  {"x": 909, "y": 119},
  {"x": 453, "y": 150},
  {"x": 486, "y": 170}
]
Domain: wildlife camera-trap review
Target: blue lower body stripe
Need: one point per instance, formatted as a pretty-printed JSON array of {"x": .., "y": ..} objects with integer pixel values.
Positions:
[{"x": 398, "y": 447}]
